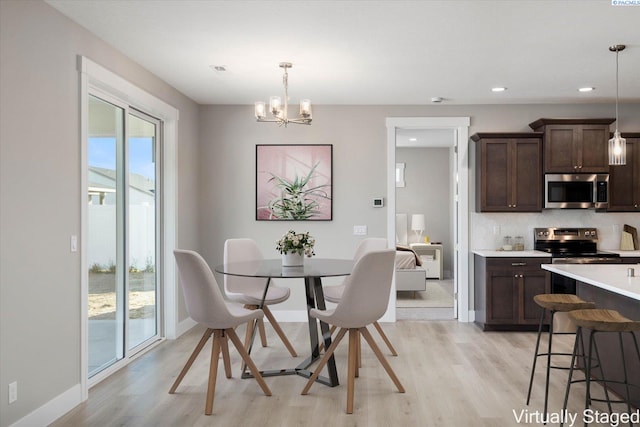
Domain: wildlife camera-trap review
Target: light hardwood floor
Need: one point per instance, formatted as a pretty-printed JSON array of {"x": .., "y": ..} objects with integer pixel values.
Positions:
[{"x": 454, "y": 375}]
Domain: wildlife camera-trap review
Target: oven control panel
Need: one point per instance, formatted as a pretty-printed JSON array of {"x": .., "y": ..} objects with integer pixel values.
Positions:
[{"x": 566, "y": 234}]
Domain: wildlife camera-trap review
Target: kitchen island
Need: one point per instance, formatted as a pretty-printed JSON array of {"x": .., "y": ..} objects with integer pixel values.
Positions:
[{"x": 610, "y": 288}]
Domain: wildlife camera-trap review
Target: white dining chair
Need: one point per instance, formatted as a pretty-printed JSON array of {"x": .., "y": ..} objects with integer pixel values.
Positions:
[
  {"x": 334, "y": 293},
  {"x": 249, "y": 290},
  {"x": 206, "y": 305},
  {"x": 363, "y": 302}
]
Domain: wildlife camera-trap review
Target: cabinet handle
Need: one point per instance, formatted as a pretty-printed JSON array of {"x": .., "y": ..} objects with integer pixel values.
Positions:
[{"x": 518, "y": 264}]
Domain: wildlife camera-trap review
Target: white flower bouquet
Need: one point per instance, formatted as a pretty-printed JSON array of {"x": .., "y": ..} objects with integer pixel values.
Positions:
[{"x": 300, "y": 243}]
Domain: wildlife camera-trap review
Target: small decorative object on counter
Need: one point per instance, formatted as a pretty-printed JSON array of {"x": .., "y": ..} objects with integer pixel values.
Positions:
[
  {"x": 507, "y": 244},
  {"x": 293, "y": 246},
  {"x": 518, "y": 243}
]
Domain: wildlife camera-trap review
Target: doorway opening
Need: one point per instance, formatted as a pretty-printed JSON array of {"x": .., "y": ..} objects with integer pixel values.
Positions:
[
  {"x": 425, "y": 214},
  {"x": 448, "y": 137}
]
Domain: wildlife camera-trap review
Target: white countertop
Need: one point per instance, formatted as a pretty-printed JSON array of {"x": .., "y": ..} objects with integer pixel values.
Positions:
[
  {"x": 612, "y": 277},
  {"x": 487, "y": 253}
]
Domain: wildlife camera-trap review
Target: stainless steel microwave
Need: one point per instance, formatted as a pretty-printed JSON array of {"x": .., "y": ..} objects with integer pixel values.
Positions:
[{"x": 576, "y": 191}]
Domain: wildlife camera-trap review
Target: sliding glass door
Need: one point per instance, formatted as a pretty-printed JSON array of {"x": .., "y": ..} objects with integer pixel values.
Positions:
[{"x": 123, "y": 243}]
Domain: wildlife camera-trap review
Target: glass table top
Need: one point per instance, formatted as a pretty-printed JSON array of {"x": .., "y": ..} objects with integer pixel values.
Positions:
[{"x": 313, "y": 267}]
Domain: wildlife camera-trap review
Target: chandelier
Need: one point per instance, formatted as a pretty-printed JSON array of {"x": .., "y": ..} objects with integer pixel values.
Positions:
[
  {"x": 617, "y": 144},
  {"x": 279, "y": 110}
]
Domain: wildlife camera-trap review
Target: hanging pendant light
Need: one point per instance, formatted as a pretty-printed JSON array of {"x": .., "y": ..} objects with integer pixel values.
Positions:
[{"x": 617, "y": 144}]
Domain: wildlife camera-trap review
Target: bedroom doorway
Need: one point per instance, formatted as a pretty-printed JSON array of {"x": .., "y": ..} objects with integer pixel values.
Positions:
[
  {"x": 425, "y": 212},
  {"x": 450, "y": 135}
]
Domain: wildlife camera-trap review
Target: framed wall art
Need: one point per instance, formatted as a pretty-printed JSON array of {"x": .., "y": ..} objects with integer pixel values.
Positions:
[{"x": 294, "y": 182}]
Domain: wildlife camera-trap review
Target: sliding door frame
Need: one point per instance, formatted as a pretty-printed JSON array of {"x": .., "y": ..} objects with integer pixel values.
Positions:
[{"x": 96, "y": 78}]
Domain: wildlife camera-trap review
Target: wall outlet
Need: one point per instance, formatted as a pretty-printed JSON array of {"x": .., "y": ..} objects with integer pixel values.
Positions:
[
  {"x": 496, "y": 230},
  {"x": 13, "y": 392},
  {"x": 74, "y": 243},
  {"x": 616, "y": 229},
  {"x": 359, "y": 230}
]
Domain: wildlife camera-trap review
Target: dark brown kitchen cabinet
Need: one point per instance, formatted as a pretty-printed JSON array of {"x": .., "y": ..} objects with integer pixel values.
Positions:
[
  {"x": 624, "y": 180},
  {"x": 508, "y": 172},
  {"x": 504, "y": 291},
  {"x": 575, "y": 145}
]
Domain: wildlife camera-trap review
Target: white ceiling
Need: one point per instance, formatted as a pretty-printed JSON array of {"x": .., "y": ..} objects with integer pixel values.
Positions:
[{"x": 376, "y": 52}]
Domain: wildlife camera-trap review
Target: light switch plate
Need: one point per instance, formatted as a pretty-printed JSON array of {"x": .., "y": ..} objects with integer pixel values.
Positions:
[{"x": 359, "y": 230}]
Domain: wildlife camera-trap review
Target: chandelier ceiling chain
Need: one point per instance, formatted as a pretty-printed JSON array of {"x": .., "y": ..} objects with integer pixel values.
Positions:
[
  {"x": 280, "y": 110},
  {"x": 617, "y": 144}
]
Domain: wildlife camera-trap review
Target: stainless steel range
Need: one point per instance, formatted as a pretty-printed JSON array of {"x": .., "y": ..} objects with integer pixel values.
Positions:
[{"x": 571, "y": 246}]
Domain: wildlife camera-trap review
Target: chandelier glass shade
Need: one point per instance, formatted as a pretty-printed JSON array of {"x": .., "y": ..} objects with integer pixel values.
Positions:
[
  {"x": 279, "y": 110},
  {"x": 617, "y": 144}
]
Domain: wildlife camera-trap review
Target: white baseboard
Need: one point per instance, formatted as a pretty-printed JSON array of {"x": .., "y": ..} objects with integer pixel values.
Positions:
[
  {"x": 185, "y": 326},
  {"x": 53, "y": 409},
  {"x": 286, "y": 316}
]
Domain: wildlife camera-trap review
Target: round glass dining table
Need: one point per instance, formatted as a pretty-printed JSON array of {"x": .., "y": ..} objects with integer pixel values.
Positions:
[{"x": 313, "y": 270}]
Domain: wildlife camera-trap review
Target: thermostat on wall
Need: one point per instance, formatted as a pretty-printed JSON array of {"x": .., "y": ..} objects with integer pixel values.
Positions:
[{"x": 378, "y": 203}]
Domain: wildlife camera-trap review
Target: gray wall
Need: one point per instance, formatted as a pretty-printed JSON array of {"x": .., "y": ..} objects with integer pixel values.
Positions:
[
  {"x": 428, "y": 191},
  {"x": 40, "y": 195}
]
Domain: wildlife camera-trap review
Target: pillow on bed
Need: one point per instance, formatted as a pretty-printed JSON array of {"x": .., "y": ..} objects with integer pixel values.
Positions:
[{"x": 408, "y": 249}]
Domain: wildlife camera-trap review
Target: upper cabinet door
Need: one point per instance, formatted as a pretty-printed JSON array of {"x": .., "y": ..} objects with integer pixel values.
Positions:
[
  {"x": 508, "y": 172},
  {"x": 574, "y": 145},
  {"x": 624, "y": 180}
]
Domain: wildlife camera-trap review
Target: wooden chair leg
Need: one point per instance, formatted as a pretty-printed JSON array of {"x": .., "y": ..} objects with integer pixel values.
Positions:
[
  {"x": 224, "y": 343},
  {"x": 276, "y": 326},
  {"x": 247, "y": 338},
  {"x": 213, "y": 370},
  {"x": 192, "y": 358},
  {"x": 263, "y": 335},
  {"x": 247, "y": 360},
  {"x": 367, "y": 336},
  {"x": 324, "y": 360},
  {"x": 358, "y": 354},
  {"x": 384, "y": 338},
  {"x": 352, "y": 368}
]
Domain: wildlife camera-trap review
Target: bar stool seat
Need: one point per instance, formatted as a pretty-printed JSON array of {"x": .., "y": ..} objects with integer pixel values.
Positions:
[
  {"x": 562, "y": 302},
  {"x": 602, "y": 321},
  {"x": 553, "y": 303}
]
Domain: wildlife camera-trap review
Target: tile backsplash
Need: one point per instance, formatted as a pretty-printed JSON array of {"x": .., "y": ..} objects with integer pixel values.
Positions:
[{"x": 609, "y": 226}]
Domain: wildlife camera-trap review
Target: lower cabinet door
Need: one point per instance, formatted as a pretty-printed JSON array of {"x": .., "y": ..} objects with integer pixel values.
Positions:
[
  {"x": 532, "y": 284},
  {"x": 502, "y": 298}
]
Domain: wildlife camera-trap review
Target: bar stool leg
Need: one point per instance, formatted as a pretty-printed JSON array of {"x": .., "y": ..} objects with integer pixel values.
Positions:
[
  {"x": 624, "y": 370},
  {"x": 571, "y": 367},
  {"x": 587, "y": 372},
  {"x": 535, "y": 355},
  {"x": 546, "y": 388},
  {"x": 604, "y": 382}
]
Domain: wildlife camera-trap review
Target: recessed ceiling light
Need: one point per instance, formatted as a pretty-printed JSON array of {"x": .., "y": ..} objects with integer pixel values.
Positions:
[
  {"x": 586, "y": 89},
  {"x": 437, "y": 99},
  {"x": 498, "y": 89},
  {"x": 413, "y": 139},
  {"x": 219, "y": 68}
]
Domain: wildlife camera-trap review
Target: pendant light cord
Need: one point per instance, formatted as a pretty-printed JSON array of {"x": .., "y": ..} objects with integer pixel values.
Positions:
[{"x": 617, "y": 52}]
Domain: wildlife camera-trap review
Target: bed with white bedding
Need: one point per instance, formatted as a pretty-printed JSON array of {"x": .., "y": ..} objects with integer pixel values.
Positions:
[{"x": 410, "y": 276}]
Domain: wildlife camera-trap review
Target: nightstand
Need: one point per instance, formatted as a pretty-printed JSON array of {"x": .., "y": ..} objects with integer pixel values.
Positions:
[{"x": 431, "y": 257}]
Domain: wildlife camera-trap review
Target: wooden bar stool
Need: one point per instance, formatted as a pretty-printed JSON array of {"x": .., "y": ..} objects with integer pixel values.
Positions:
[
  {"x": 553, "y": 303},
  {"x": 602, "y": 321}
]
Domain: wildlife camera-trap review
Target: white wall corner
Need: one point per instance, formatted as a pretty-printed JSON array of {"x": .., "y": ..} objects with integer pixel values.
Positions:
[
  {"x": 53, "y": 409},
  {"x": 183, "y": 327}
]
